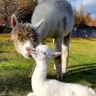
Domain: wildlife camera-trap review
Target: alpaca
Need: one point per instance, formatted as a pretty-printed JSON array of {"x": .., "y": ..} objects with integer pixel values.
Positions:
[
  {"x": 51, "y": 19},
  {"x": 49, "y": 87}
]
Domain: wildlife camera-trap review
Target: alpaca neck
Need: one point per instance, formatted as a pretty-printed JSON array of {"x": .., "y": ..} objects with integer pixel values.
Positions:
[
  {"x": 40, "y": 72},
  {"x": 41, "y": 37}
]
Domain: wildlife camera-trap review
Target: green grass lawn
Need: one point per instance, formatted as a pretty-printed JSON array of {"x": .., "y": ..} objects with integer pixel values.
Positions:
[{"x": 15, "y": 69}]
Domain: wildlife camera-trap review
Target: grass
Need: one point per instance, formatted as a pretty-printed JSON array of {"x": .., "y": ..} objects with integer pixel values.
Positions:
[{"x": 15, "y": 69}]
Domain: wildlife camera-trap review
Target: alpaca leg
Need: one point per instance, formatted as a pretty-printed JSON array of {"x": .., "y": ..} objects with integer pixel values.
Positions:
[
  {"x": 57, "y": 60},
  {"x": 54, "y": 63},
  {"x": 65, "y": 52},
  {"x": 31, "y": 94}
]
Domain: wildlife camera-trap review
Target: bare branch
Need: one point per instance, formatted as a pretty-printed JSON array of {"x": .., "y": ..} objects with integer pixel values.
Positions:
[{"x": 20, "y": 7}]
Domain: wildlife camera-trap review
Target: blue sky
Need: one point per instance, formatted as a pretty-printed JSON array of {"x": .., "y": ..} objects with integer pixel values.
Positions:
[{"x": 88, "y": 5}]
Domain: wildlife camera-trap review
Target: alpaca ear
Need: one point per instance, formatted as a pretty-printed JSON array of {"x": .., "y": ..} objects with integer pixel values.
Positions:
[
  {"x": 14, "y": 21},
  {"x": 55, "y": 54},
  {"x": 36, "y": 26}
]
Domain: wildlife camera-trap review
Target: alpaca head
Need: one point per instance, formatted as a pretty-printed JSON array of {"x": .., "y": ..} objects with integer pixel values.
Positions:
[
  {"x": 43, "y": 52},
  {"x": 24, "y": 36}
]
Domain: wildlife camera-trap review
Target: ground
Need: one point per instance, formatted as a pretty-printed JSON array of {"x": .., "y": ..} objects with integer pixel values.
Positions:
[{"x": 15, "y": 69}]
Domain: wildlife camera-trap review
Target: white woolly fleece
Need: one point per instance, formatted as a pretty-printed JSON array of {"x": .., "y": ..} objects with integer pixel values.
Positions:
[{"x": 50, "y": 87}]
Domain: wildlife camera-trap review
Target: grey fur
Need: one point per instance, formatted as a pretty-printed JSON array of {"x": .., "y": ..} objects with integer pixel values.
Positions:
[{"x": 58, "y": 23}]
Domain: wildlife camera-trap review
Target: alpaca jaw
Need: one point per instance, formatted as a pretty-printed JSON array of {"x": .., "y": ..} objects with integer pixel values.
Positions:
[{"x": 23, "y": 49}]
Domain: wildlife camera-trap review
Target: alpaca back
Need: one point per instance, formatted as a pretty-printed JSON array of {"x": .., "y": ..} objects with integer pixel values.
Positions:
[
  {"x": 81, "y": 90},
  {"x": 58, "y": 16},
  {"x": 56, "y": 88}
]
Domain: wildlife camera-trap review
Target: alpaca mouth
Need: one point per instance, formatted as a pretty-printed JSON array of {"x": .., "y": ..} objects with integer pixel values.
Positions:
[
  {"x": 33, "y": 51},
  {"x": 28, "y": 55}
]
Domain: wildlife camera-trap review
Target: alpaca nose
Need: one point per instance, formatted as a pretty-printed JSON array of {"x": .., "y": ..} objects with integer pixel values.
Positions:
[{"x": 28, "y": 49}]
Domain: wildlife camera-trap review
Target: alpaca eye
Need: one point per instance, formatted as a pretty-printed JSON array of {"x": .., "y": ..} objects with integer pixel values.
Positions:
[
  {"x": 23, "y": 42},
  {"x": 44, "y": 53}
]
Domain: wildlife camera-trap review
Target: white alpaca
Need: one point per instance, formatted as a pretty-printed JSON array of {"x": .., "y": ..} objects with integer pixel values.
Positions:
[{"x": 50, "y": 87}]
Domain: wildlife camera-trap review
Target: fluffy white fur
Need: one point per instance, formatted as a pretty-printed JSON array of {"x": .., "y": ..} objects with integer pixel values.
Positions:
[{"x": 50, "y": 87}]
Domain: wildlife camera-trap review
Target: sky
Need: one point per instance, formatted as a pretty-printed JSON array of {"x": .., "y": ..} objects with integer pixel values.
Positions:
[{"x": 88, "y": 5}]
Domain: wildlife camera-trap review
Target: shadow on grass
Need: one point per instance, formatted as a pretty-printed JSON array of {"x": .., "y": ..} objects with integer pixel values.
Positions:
[
  {"x": 84, "y": 72},
  {"x": 79, "y": 73},
  {"x": 4, "y": 52},
  {"x": 3, "y": 59},
  {"x": 16, "y": 82}
]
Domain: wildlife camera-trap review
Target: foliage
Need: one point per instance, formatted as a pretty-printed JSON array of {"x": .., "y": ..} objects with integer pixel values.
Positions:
[
  {"x": 82, "y": 19},
  {"x": 7, "y": 8},
  {"x": 79, "y": 17},
  {"x": 25, "y": 10},
  {"x": 22, "y": 8}
]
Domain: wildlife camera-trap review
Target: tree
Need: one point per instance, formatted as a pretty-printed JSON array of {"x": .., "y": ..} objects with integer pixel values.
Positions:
[
  {"x": 7, "y": 8},
  {"x": 79, "y": 17},
  {"x": 22, "y": 9},
  {"x": 82, "y": 19},
  {"x": 88, "y": 18},
  {"x": 25, "y": 10}
]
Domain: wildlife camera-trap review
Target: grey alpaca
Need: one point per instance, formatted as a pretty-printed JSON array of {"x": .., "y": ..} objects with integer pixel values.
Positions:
[{"x": 51, "y": 19}]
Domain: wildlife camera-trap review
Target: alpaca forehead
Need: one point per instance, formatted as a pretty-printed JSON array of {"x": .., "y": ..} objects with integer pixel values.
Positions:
[
  {"x": 22, "y": 29},
  {"x": 23, "y": 33},
  {"x": 44, "y": 48},
  {"x": 19, "y": 31}
]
